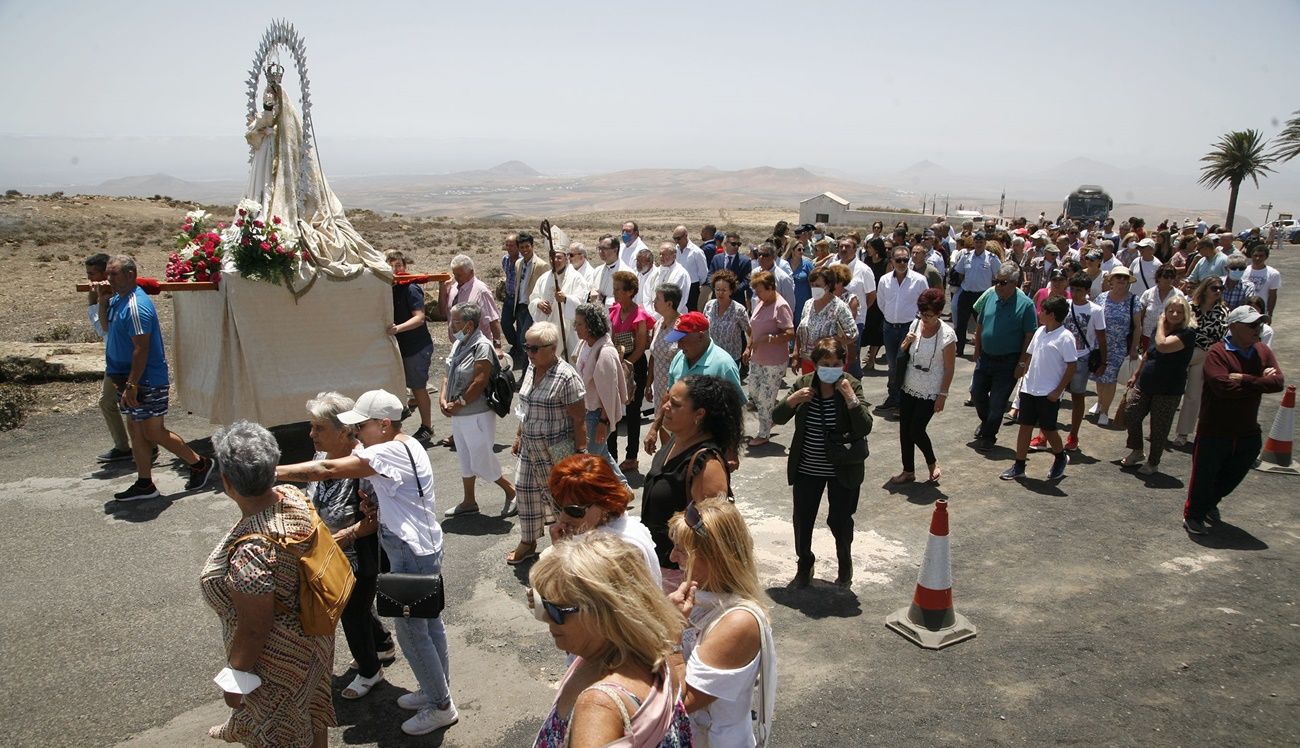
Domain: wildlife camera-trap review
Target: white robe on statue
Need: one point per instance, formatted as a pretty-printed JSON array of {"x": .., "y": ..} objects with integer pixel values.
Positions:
[{"x": 573, "y": 284}]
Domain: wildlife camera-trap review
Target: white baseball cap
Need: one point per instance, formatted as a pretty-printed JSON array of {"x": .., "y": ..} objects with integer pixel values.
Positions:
[{"x": 375, "y": 404}]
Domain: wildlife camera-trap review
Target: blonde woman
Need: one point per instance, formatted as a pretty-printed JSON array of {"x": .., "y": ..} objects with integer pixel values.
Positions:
[
  {"x": 597, "y": 598},
  {"x": 727, "y": 645},
  {"x": 1159, "y": 382}
]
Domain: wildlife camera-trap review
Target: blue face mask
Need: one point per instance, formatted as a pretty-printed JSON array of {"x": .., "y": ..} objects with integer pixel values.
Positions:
[
  {"x": 1236, "y": 274},
  {"x": 459, "y": 335},
  {"x": 830, "y": 374},
  {"x": 627, "y": 237}
]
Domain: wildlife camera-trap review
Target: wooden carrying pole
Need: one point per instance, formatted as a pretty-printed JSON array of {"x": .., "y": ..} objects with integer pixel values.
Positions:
[{"x": 559, "y": 310}]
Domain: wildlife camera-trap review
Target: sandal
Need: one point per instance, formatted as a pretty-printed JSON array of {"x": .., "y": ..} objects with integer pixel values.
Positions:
[
  {"x": 935, "y": 474},
  {"x": 903, "y": 477},
  {"x": 522, "y": 552},
  {"x": 360, "y": 686},
  {"x": 759, "y": 441}
]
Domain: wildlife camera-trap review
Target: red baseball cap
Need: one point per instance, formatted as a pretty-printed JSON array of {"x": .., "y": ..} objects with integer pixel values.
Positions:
[{"x": 687, "y": 324}]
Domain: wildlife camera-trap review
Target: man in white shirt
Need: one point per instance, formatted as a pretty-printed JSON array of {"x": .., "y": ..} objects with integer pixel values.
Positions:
[
  {"x": 555, "y": 299},
  {"x": 896, "y": 293},
  {"x": 630, "y": 243},
  {"x": 693, "y": 260},
  {"x": 645, "y": 269},
  {"x": 578, "y": 261},
  {"x": 1267, "y": 279},
  {"x": 1145, "y": 267},
  {"x": 671, "y": 271},
  {"x": 1063, "y": 249},
  {"x": 602, "y": 291},
  {"x": 863, "y": 286},
  {"x": 784, "y": 282}
]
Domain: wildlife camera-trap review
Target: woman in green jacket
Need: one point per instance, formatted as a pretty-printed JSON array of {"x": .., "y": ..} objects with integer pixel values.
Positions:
[{"x": 828, "y": 454}]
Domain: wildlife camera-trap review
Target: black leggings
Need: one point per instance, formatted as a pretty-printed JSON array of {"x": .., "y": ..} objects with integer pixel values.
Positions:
[
  {"x": 365, "y": 634},
  {"x": 914, "y": 416},
  {"x": 631, "y": 416}
]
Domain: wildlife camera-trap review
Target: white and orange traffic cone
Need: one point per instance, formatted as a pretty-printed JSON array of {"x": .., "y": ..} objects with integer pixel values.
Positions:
[
  {"x": 930, "y": 620},
  {"x": 1276, "y": 456}
]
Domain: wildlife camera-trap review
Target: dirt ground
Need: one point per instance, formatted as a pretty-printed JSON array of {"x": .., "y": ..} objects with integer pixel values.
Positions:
[{"x": 1100, "y": 621}]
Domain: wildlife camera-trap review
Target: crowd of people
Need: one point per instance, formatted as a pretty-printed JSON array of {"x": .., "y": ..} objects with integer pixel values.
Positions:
[{"x": 662, "y": 616}]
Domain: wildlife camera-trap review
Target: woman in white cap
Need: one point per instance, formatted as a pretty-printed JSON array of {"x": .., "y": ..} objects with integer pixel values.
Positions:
[{"x": 399, "y": 471}]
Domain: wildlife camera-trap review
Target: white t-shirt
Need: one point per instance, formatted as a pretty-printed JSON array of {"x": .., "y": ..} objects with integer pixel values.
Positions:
[
  {"x": 1144, "y": 273},
  {"x": 727, "y": 721},
  {"x": 632, "y": 531},
  {"x": 1051, "y": 352},
  {"x": 401, "y": 509},
  {"x": 692, "y": 258},
  {"x": 1152, "y": 307},
  {"x": 1091, "y": 319},
  {"x": 927, "y": 353},
  {"x": 1268, "y": 279},
  {"x": 674, "y": 274},
  {"x": 863, "y": 283}
]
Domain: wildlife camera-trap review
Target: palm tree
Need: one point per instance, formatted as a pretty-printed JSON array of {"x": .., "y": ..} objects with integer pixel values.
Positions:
[
  {"x": 1288, "y": 141},
  {"x": 1237, "y": 155}
]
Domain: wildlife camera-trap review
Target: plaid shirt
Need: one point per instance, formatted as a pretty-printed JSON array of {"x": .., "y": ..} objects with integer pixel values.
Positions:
[
  {"x": 508, "y": 269},
  {"x": 1234, "y": 295},
  {"x": 545, "y": 403}
]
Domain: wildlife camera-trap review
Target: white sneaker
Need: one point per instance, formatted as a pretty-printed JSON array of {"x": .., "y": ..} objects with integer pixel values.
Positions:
[
  {"x": 429, "y": 719},
  {"x": 1095, "y": 409},
  {"x": 1180, "y": 440},
  {"x": 414, "y": 701},
  {"x": 1103, "y": 419}
]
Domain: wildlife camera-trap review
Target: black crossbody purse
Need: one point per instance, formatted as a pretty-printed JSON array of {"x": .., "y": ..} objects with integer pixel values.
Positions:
[{"x": 410, "y": 595}]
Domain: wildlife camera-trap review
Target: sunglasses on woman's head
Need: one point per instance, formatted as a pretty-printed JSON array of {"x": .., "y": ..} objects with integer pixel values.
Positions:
[
  {"x": 577, "y": 511},
  {"x": 695, "y": 520}
]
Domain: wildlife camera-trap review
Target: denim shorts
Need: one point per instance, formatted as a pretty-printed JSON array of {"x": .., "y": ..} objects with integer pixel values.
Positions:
[
  {"x": 151, "y": 402},
  {"x": 416, "y": 368}
]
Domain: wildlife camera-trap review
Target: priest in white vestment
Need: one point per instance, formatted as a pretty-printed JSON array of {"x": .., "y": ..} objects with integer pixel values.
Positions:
[
  {"x": 671, "y": 271},
  {"x": 556, "y": 298}
]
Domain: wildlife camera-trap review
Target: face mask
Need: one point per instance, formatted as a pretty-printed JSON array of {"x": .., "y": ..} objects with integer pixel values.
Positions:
[
  {"x": 830, "y": 374},
  {"x": 818, "y": 237},
  {"x": 627, "y": 237},
  {"x": 459, "y": 335},
  {"x": 1236, "y": 274},
  {"x": 818, "y": 292}
]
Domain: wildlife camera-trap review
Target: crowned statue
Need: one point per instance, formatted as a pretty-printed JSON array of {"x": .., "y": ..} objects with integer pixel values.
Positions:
[{"x": 285, "y": 178}]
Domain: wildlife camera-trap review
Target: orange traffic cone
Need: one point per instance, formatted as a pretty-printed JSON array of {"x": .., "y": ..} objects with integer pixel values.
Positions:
[
  {"x": 930, "y": 621},
  {"x": 1276, "y": 457}
]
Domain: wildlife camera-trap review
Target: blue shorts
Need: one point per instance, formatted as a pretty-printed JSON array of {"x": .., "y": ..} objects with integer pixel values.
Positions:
[
  {"x": 151, "y": 403},
  {"x": 416, "y": 367}
]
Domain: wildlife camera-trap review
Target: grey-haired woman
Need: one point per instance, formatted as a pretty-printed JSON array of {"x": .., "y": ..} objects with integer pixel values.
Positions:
[
  {"x": 277, "y": 678},
  {"x": 346, "y": 506}
]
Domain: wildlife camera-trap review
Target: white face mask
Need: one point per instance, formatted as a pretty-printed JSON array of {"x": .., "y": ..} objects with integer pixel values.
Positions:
[
  {"x": 459, "y": 335},
  {"x": 818, "y": 292}
]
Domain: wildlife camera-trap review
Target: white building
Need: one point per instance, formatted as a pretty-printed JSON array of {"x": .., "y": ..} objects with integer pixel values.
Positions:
[{"x": 833, "y": 210}]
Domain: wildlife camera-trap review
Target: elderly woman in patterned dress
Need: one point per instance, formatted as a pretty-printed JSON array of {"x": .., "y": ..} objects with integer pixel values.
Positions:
[
  {"x": 277, "y": 678},
  {"x": 728, "y": 320},
  {"x": 666, "y": 298},
  {"x": 552, "y": 425},
  {"x": 824, "y": 316}
]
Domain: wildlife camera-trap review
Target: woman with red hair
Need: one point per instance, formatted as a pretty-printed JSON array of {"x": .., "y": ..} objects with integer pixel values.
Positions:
[
  {"x": 590, "y": 498},
  {"x": 932, "y": 348}
]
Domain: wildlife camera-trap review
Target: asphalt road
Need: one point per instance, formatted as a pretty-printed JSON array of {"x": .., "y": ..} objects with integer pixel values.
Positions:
[{"x": 1100, "y": 621}]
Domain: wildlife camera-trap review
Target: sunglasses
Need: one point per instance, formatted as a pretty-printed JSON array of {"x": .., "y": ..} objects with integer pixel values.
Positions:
[
  {"x": 901, "y": 260},
  {"x": 1003, "y": 282},
  {"x": 695, "y": 520},
  {"x": 556, "y": 613},
  {"x": 577, "y": 511},
  {"x": 733, "y": 244},
  {"x": 1216, "y": 288},
  {"x": 536, "y": 348}
]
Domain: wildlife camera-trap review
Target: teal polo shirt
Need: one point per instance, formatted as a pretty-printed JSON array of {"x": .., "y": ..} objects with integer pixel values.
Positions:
[
  {"x": 713, "y": 362},
  {"x": 1004, "y": 324}
]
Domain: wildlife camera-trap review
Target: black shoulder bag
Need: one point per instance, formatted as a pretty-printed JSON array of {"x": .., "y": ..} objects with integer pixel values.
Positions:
[
  {"x": 410, "y": 595},
  {"x": 1094, "y": 355}
]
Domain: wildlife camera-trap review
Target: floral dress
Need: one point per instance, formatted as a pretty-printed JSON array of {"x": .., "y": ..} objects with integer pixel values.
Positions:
[
  {"x": 834, "y": 319},
  {"x": 728, "y": 329},
  {"x": 294, "y": 699},
  {"x": 1119, "y": 326},
  {"x": 661, "y": 353},
  {"x": 554, "y": 732}
]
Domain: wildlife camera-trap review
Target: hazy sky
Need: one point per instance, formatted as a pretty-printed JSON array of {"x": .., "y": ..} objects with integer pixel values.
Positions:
[{"x": 863, "y": 87}]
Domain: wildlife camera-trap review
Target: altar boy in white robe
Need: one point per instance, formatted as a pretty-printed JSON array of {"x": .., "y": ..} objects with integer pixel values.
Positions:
[{"x": 546, "y": 303}]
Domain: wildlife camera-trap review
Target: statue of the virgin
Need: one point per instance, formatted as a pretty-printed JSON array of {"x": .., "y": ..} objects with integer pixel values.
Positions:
[{"x": 294, "y": 188}]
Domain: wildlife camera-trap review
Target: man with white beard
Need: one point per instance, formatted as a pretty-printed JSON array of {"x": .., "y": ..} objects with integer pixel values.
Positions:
[
  {"x": 555, "y": 299},
  {"x": 693, "y": 260},
  {"x": 645, "y": 267},
  {"x": 630, "y": 243},
  {"x": 602, "y": 291},
  {"x": 578, "y": 261},
  {"x": 670, "y": 271}
]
